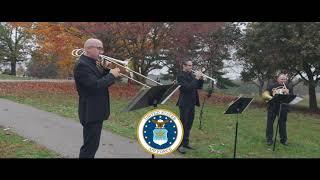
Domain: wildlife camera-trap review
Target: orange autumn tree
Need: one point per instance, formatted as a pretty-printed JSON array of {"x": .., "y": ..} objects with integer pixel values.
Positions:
[{"x": 55, "y": 42}]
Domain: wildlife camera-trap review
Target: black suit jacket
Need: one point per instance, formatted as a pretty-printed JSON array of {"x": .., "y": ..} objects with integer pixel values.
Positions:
[
  {"x": 189, "y": 89},
  {"x": 92, "y": 86}
]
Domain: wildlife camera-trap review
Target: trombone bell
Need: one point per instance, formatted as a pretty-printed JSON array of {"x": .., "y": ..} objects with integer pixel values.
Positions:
[{"x": 266, "y": 96}]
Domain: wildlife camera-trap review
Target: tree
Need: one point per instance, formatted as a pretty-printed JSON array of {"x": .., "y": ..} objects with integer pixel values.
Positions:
[
  {"x": 184, "y": 42},
  {"x": 143, "y": 42},
  {"x": 272, "y": 46},
  {"x": 15, "y": 43},
  {"x": 258, "y": 56},
  {"x": 300, "y": 50},
  {"x": 214, "y": 50},
  {"x": 42, "y": 66},
  {"x": 150, "y": 45},
  {"x": 57, "y": 40}
]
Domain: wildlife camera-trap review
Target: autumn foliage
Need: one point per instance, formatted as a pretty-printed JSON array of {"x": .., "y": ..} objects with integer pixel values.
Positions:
[
  {"x": 150, "y": 45},
  {"x": 117, "y": 91},
  {"x": 55, "y": 41},
  {"x": 66, "y": 88}
]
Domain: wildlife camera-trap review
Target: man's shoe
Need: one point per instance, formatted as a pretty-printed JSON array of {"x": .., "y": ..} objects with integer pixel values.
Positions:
[
  {"x": 182, "y": 150},
  {"x": 269, "y": 143},
  {"x": 189, "y": 147},
  {"x": 284, "y": 143}
]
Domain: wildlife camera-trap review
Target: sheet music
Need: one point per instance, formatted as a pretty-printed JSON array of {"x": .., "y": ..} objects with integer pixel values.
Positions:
[{"x": 296, "y": 100}]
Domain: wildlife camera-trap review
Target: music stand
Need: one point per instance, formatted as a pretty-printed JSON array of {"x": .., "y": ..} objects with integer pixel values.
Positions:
[
  {"x": 152, "y": 97},
  {"x": 237, "y": 107},
  {"x": 171, "y": 90},
  {"x": 202, "y": 106},
  {"x": 280, "y": 99}
]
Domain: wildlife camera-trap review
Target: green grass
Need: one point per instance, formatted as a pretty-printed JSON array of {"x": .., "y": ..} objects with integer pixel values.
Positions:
[
  {"x": 11, "y": 77},
  {"x": 216, "y": 139},
  {"x": 251, "y": 90},
  {"x": 14, "y": 146}
]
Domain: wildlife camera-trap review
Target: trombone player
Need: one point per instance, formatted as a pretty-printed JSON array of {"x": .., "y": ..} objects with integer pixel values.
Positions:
[
  {"x": 188, "y": 99},
  {"x": 92, "y": 81},
  {"x": 279, "y": 87}
]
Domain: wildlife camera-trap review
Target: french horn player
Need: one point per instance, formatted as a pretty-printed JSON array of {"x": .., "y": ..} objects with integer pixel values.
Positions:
[{"x": 273, "y": 108}]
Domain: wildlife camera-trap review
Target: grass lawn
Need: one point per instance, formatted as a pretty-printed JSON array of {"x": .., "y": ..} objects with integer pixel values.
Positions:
[
  {"x": 15, "y": 146},
  {"x": 10, "y": 77},
  {"x": 215, "y": 140}
]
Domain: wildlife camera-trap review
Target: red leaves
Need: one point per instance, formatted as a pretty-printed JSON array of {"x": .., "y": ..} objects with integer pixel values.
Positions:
[
  {"x": 118, "y": 90},
  {"x": 123, "y": 91},
  {"x": 217, "y": 98},
  {"x": 22, "y": 89}
]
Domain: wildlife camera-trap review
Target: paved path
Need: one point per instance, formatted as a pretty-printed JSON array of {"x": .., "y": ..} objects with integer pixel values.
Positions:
[{"x": 63, "y": 135}]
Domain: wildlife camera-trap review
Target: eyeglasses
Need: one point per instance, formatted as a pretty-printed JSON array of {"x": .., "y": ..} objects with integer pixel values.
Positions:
[{"x": 99, "y": 48}]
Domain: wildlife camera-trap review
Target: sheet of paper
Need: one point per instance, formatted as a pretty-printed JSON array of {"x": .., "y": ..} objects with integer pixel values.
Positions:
[{"x": 296, "y": 100}]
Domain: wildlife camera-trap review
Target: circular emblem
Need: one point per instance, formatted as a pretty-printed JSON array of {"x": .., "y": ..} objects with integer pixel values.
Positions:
[{"x": 160, "y": 132}]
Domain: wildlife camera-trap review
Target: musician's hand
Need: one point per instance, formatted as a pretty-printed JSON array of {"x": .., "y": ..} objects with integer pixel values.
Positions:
[
  {"x": 105, "y": 64},
  {"x": 198, "y": 74},
  {"x": 286, "y": 91},
  {"x": 115, "y": 72}
]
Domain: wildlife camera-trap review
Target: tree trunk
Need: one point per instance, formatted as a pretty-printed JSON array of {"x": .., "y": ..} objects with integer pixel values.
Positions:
[
  {"x": 268, "y": 83},
  {"x": 260, "y": 90},
  {"x": 13, "y": 67},
  {"x": 312, "y": 97},
  {"x": 261, "y": 83}
]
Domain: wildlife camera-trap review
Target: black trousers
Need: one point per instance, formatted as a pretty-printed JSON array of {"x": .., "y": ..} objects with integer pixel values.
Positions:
[
  {"x": 272, "y": 114},
  {"x": 186, "y": 117},
  {"x": 91, "y": 139}
]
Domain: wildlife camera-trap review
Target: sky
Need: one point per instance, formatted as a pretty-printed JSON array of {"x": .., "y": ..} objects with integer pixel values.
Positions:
[{"x": 232, "y": 72}]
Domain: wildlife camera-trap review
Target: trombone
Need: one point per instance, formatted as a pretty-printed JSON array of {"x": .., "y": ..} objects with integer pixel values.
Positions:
[{"x": 123, "y": 64}]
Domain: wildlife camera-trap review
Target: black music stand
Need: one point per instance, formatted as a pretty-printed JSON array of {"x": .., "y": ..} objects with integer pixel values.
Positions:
[
  {"x": 280, "y": 99},
  {"x": 202, "y": 106},
  {"x": 152, "y": 97},
  {"x": 237, "y": 107}
]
